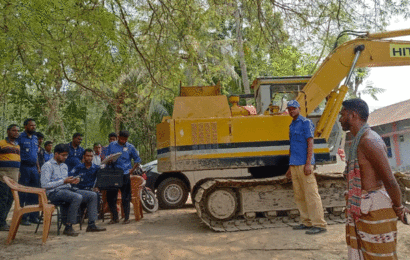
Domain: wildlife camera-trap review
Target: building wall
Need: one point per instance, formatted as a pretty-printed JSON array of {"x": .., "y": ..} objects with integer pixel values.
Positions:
[
  {"x": 404, "y": 146},
  {"x": 399, "y": 143}
]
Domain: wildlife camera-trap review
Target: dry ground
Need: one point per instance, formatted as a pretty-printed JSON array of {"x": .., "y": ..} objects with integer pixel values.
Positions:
[{"x": 179, "y": 234}]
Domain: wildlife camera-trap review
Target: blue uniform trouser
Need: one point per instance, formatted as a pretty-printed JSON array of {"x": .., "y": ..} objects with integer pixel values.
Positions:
[
  {"x": 125, "y": 196},
  {"x": 29, "y": 177},
  {"x": 6, "y": 200}
]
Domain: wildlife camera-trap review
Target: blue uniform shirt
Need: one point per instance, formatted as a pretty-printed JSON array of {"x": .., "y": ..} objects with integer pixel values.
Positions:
[
  {"x": 128, "y": 152},
  {"x": 74, "y": 156},
  {"x": 48, "y": 156},
  {"x": 299, "y": 131},
  {"x": 28, "y": 149},
  {"x": 87, "y": 176}
]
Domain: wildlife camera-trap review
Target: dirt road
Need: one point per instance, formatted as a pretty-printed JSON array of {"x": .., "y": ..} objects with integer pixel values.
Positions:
[{"x": 179, "y": 234}]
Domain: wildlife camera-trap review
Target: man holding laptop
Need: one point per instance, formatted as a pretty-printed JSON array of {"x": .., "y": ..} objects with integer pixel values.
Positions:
[{"x": 128, "y": 153}]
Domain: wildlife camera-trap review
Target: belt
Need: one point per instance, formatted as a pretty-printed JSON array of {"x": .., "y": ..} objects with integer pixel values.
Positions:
[{"x": 28, "y": 164}]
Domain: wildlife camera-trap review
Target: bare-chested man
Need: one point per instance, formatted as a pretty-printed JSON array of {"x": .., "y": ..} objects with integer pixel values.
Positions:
[{"x": 373, "y": 196}]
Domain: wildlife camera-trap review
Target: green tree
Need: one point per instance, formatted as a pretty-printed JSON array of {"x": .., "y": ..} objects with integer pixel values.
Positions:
[{"x": 95, "y": 66}]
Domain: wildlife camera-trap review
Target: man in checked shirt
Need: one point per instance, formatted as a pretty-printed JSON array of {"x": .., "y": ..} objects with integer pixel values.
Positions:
[{"x": 54, "y": 178}]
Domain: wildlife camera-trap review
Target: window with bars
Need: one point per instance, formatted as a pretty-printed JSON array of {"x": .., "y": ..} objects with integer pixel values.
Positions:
[{"x": 388, "y": 145}]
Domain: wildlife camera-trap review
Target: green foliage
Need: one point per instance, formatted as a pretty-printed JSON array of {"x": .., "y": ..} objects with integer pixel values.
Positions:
[
  {"x": 100, "y": 66},
  {"x": 372, "y": 91}
]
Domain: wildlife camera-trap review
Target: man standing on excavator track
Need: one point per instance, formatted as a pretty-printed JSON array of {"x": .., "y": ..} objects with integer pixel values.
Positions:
[{"x": 301, "y": 161}]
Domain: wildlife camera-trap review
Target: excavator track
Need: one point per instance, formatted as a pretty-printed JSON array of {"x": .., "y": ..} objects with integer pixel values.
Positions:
[
  {"x": 249, "y": 204},
  {"x": 403, "y": 179}
]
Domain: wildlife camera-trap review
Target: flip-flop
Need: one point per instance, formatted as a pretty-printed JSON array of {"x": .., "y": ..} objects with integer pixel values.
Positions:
[{"x": 127, "y": 221}]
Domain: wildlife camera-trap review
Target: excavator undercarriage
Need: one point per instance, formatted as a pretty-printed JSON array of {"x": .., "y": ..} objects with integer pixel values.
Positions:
[{"x": 247, "y": 204}]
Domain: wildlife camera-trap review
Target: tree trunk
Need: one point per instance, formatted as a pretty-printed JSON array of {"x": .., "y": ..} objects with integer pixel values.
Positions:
[
  {"x": 118, "y": 103},
  {"x": 239, "y": 39},
  {"x": 117, "y": 119}
]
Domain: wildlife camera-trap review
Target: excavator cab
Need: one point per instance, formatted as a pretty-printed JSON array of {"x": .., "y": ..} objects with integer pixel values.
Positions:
[
  {"x": 271, "y": 96},
  {"x": 268, "y": 89}
]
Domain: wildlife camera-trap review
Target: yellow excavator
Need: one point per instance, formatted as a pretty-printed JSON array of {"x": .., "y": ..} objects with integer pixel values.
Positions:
[{"x": 207, "y": 137}]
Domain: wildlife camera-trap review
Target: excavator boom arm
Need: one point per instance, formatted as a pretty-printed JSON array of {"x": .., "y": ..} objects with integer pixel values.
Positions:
[{"x": 377, "y": 53}]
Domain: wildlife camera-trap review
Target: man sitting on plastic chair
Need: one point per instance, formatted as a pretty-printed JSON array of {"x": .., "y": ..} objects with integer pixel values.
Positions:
[
  {"x": 87, "y": 172},
  {"x": 54, "y": 178}
]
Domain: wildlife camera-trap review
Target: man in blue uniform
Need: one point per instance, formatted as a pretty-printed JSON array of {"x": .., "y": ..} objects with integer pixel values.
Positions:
[
  {"x": 48, "y": 154},
  {"x": 301, "y": 161},
  {"x": 87, "y": 171},
  {"x": 29, "y": 168},
  {"x": 112, "y": 137},
  {"x": 123, "y": 162},
  {"x": 75, "y": 153},
  {"x": 41, "y": 151}
]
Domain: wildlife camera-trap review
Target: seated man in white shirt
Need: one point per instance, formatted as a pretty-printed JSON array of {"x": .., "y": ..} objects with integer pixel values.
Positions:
[{"x": 54, "y": 178}]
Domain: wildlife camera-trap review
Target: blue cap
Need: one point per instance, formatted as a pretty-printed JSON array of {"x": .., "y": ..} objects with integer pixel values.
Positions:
[{"x": 293, "y": 103}]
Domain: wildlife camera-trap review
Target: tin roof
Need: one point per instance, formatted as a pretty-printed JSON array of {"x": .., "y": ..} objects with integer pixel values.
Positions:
[{"x": 390, "y": 114}]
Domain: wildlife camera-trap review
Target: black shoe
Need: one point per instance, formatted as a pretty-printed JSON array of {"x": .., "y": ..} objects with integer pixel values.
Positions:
[
  {"x": 316, "y": 230},
  {"x": 25, "y": 222},
  {"x": 36, "y": 221},
  {"x": 69, "y": 231},
  {"x": 300, "y": 227},
  {"x": 5, "y": 228},
  {"x": 113, "y": 221},
  {"x": 94, "y": 228}
]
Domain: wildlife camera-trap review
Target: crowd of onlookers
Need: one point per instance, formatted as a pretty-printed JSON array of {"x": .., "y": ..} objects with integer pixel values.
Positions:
[{"x": 68, "y": 173}]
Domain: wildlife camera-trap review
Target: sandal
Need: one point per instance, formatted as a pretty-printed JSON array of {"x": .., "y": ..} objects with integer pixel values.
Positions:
[
  {"x": 113, "y": 221},
  {"x": 126, "y": 221}
]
